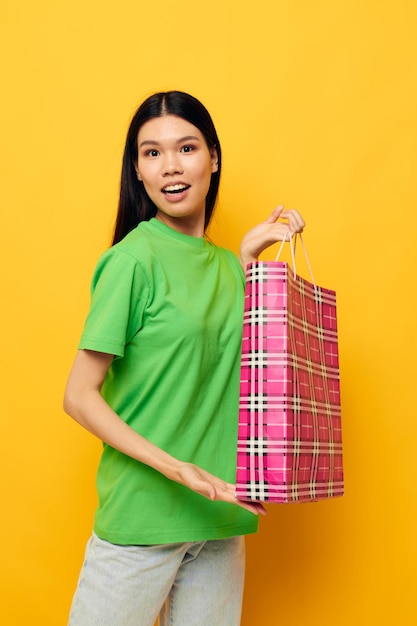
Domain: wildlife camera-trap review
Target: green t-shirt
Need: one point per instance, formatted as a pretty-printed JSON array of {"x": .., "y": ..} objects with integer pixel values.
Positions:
[{"x": 169, "y": 307}]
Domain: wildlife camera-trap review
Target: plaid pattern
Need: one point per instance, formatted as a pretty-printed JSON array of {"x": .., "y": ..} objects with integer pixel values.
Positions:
[{"x": 289, "y": 437}]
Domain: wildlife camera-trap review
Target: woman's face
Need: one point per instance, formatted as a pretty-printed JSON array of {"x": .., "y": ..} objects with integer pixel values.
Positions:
[{"x": 175, "y": 166}]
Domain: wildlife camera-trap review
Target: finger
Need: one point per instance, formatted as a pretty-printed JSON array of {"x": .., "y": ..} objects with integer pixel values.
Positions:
[
  {"x": 261, "y": 509},
  {"x": 212, "y": 493},
  {"x": 282, "y": 232},
  {"x": 275, "y": 214},
  {"x": 296, "y": 222},
  {"x": 256, "y": 508},
  {"x": 224, "y": 491},
  {"x": 206, "y": 489}
]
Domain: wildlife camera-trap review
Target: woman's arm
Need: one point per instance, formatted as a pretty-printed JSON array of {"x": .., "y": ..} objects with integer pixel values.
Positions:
[
  {"x": 83, "y": 401},
  {"x": 269, "y": 232}
]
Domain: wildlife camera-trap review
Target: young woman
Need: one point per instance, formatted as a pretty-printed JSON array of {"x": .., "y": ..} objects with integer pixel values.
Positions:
[{"x": 156, "y": 378}]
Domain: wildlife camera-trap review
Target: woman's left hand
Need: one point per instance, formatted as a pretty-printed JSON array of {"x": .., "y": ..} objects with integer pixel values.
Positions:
[
  {"x": 269, "y": 232},
  {"x": 213, "y": 488}
]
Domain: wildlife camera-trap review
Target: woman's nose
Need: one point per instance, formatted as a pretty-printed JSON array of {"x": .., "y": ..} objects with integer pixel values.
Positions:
[{"x": 172, "y": 165}]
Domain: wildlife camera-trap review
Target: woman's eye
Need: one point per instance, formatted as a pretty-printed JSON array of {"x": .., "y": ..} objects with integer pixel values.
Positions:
[
  {"x": 187, "y": 148},
  {"x": 152, "y": 153}
]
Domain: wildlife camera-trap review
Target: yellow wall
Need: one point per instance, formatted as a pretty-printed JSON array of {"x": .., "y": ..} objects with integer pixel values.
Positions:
[{"x": 315, "y": 103}]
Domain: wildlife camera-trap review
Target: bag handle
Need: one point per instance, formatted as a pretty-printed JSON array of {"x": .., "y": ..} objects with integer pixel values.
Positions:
[{"x": 293, "y": 248}]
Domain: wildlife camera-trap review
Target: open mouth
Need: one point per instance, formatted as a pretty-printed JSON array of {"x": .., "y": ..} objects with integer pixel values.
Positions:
[{"x": 173, "y": 189}]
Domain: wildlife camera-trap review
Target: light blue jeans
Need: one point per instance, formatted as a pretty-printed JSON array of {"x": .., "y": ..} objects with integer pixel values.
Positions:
[{"x": 186, "y": 584}]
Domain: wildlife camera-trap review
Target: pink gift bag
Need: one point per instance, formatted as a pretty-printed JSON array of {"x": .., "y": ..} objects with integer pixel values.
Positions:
[{"x": 289, "y": 435}]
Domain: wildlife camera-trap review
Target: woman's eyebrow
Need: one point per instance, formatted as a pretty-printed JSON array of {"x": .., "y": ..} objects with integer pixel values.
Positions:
[{"x": 152, "y": 142}]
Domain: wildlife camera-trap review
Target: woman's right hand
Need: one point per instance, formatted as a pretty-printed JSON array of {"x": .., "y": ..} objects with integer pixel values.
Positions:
[
  {"x": 213, "y": 488},
  {"x": 84, "y": 402}
]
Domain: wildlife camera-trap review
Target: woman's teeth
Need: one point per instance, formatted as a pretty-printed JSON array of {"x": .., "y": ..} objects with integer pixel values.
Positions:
[{"x": 175, "y": 188}]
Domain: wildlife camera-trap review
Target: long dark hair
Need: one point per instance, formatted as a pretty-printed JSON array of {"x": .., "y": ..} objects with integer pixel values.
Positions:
[{"x": 135, "y": 206}]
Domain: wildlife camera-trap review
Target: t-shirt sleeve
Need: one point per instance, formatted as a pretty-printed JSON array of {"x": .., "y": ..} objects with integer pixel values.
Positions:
[
  {"x": 235, "y": 263},
  {"x": 119, "y": 292}
]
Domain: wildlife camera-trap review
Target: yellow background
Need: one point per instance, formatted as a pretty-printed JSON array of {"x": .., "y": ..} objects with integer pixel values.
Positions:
[{"x": 315, "y": 104}]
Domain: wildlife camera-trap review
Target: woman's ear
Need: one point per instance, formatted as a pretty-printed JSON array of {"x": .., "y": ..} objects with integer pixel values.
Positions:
[
  {"x": 137, "y": 172},
  {"x": 214, "y": 160}
]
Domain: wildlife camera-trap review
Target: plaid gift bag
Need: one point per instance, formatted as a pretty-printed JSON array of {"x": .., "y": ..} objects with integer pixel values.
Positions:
[{"x": 289, "y": 435}]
